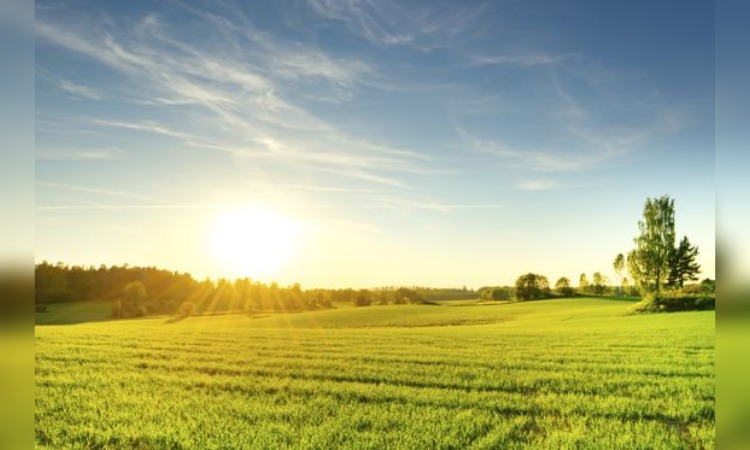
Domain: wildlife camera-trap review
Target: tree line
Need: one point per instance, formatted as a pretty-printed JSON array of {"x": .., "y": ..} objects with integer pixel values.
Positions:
[
  {"x": 533, "y": 286},
  {"x": 139, "y": 291}
]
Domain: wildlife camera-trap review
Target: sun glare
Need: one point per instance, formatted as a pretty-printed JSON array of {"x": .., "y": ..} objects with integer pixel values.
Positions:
[{"x": 254, "y": 241}]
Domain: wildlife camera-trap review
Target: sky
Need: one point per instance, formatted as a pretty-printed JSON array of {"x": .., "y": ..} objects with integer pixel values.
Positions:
[
  {"x": 732, "y": 141},
  {"x": 403, "y": 143}
]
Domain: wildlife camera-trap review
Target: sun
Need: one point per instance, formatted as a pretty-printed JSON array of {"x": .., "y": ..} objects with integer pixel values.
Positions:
[{"x": 254, "y": 241}]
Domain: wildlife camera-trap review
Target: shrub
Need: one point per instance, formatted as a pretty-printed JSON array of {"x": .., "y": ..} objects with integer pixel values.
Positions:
[
  {"x": 671, "y": 302},
  {"x": 188, "y": 308},
  {"x": 362, "y": 300},
  {"x": 501, "y": 293}
]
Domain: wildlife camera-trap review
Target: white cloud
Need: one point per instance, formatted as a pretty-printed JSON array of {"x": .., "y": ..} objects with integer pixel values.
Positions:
[
  {"x": 80, "y": 90},
  {"x": 97, "y": 154},
  {"x": 537, "y": 185},
  {"x": 93, "y": 190},
  {"x": 393, "y": 23},
  {"x": 584, "y": 140},
  {"x": 229, "y": 94},
  {"x": 521, "y": 60}
]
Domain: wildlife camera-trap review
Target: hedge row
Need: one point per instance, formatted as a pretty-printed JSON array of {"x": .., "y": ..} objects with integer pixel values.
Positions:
[{"x": 677, "y": 302}]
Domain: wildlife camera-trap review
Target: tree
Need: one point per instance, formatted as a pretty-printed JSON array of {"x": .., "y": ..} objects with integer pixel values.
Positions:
[
  {"x": 406, "y": 295},
  {"x": 562, "y": 286},
  {"x": 187, "y": 309},
  {"x": 500, "y": 293},
  {"x": 650, "y": 260},
  {"x": 599, "y": 285},
  {"x": 626, "y": 288},
  {"x": 531, "y": 286},
  {"x": 363, "y": 298},
  {"x": 708, "y": 286},
  {"x": 132, "y": 301},
  {"x": 682, "y": 265},
  {"x": 619, "y": 265},
  {"x": 583, "y": 284}
]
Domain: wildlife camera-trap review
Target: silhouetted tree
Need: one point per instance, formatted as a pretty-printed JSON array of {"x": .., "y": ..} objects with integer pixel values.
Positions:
[
  {"x": 501, "y": 293},
  {"x": 531, "y": 286},
  {"x": 363, "y": 298},
  {"x": 599, "y": 285},
  {"x": 583, "y": 284},
  {"x": 562, "y": 287},
  {"x": 407, "y": 295}
]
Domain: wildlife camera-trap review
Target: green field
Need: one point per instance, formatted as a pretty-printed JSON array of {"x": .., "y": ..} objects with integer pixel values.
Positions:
[
  {"x": 77, "y": 312},
  {"x": 577, "y": 373}
]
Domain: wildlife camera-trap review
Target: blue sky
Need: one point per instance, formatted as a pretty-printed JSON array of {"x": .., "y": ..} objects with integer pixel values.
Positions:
[{"x": 438, "y": 143}]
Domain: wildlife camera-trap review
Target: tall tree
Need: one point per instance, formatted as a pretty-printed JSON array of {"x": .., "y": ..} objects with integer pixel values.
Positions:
[
  {"x": 583, "y": 284},
  {"x": 682, "y": 265},
  {"x": 619, "y": 265},
  {"x": 626, "y": 287},
  {"x": 562, "y": 286},
  {"x": 654, "y": 245},
  {"x": 599, "y": 285}
]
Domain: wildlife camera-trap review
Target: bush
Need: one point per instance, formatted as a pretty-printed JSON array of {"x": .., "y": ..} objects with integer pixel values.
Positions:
[
  {"x": 565, "y": 291},
  {"x": 187, "y": 309},
  {"x": 501, "y": 293},
  {"x": 672, "y": 302},
  {"x": 362, "y": 300}
]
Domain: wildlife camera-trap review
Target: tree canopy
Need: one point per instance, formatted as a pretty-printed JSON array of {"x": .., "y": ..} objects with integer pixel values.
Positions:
[
  {"x": 682, "y": 264},
  {"x": 562, "y": 286},
  {"x": 532, "y": 286}
]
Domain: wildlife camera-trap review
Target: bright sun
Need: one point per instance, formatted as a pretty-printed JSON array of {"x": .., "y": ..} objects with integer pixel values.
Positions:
[{"x": 254, "y": 241}]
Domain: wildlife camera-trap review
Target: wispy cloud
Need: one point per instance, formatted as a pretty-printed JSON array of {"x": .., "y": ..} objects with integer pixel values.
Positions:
[
  {"x": 98, "y": 154},
  {"x": 527, "y": 159},
  {"x": 393, "y": 23},
  {"x": 133, "y": 207},
  {"x": 592, "y": 151},
  {"x": 93, "y": 190},
  {"x": 438, "y": 207},
  {"x": 537, "y": 185},
  {"x": 80, "y": 90},
  {"x": 584, "y": 139},
  {"x": 148, "y": 126},
  {"x": 332, "y": 189},
  {"x": 231, "y": 92},
  {"x": 520, "y": 60}
]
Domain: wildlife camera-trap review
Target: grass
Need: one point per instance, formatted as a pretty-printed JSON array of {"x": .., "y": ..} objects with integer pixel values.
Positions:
[
  {"x": 550, "y": 374},
  {"x": 76, "y": 312}
]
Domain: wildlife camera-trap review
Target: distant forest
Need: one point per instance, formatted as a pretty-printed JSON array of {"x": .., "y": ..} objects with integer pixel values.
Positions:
[{"x": 139, "y": 291}]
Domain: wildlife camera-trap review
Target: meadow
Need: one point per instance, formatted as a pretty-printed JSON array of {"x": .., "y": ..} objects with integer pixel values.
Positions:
[{"x": 573, "y": 373}]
